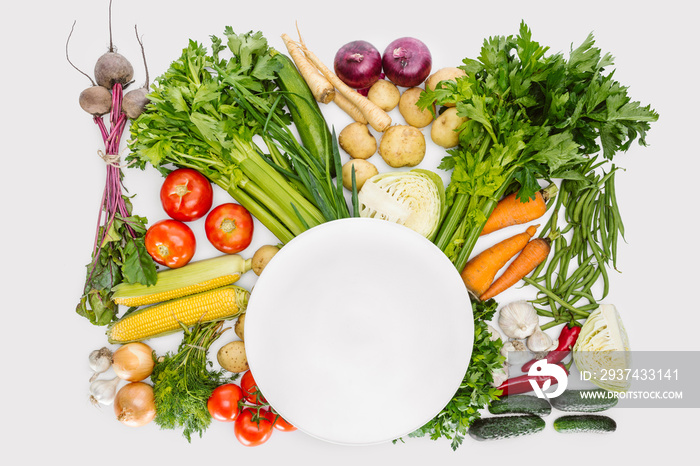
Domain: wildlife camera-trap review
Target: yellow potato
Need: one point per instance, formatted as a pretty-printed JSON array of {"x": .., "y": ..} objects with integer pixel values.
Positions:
[
  {"x": 443, "y": 130},
  {"x": 357, "y": 141},
  {"x": 238, "y": 327},
  {"x": 384, "y": 94},
  {"x": 261, "y": 257},
  {"x": 443, "y": 74},
  {"x": 232, "y": 357},
  {"x": 364, "y": 170},
  {"x": 402, "y": 146},
  {"x": 413, "y": 115}
]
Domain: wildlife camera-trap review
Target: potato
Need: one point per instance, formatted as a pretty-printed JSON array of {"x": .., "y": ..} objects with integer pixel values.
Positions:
[
  {"x": 413, "y": 115},
  {"x": 357, "y": 141},
  {"x": 232, "y": 357},
  {"x": 384, "y": 94},
  {"x": 262, "y": 256},
  {"x": 443, "y": 130},
  {"x": 402, "y": 146},
  {"x": 238, "y": 327},
  {"x": 364, "y": 170},
  {"x": 443, "y": 74}
]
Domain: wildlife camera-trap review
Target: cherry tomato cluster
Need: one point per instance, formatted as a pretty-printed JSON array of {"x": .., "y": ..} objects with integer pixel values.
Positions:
[
  {"x": 254, "y": 420},
  {"x": 186, "y": 195}
]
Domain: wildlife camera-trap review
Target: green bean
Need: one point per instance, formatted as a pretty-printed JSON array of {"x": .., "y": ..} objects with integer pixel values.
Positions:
[
  {"x": 581, "y": 204},
  {"x": 603, "y": 272},
  {"x": 563, "y": 268},
  {"x": 604, "y": 239},
  {"x": 554, "y": 297},
  {"x": 615, "y": 206},
  {"x": 586, "y": 295},
  {"x": 580, "y": 270}
]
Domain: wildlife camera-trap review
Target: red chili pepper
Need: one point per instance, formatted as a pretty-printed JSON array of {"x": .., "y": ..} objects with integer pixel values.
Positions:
[
  {"x": 567, "y": 339},
  {"x": 521, "y": 384}
]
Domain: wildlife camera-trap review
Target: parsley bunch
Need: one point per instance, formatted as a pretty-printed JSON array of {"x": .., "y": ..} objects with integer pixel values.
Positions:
[{"x": 530, "y": 116}]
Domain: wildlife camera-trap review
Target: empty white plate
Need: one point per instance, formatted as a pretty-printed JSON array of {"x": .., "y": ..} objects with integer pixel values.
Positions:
[{"x": 359, "y": 331}]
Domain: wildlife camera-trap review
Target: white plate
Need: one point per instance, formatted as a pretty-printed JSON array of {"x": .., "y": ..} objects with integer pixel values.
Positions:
[{"x": 359, "y": 331}]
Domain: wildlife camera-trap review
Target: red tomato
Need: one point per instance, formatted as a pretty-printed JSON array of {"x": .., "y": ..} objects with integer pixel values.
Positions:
[
  {"x": 170, "y": 243},
  {"x": 229, "y": 228},
  {"x": 223, "y": 402},
  {"x": 252, "y": 430},
  {"x": 186, "y": 195},
  {"x": 250, "y": 388},
  {"x": 279, "y": 423}
]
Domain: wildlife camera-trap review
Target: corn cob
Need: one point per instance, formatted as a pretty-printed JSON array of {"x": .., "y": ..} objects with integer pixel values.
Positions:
[
  {"x": 161, "y": 319},
  {"x": 194, "y": 277}
]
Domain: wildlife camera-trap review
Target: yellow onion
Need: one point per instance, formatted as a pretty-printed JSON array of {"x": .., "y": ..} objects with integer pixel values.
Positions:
[
  {"x": 133, "y": 362},
  {"x": 135, "y": 404}
]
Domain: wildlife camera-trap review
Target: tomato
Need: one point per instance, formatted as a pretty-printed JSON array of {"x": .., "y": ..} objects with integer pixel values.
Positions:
[
  {"x": 250, "y": 388},
  {"x": 252, "y": 430},
  {"x": 279, "y": 423},
  {"x": 170, "y": 243},
  {"x": 229, "y": 227},
  {"x": 186, "y": 195},
  {"x": 223, "y": 402}
]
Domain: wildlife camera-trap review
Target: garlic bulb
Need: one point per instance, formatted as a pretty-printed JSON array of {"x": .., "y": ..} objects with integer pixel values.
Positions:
[
  {"x": 539, "y": 341},
  {"x": 100, "y": 361},
  {"x": 103, "y": 391},
  {"x": 518, "y": 319},
  {"x": 515, "y": 352}
]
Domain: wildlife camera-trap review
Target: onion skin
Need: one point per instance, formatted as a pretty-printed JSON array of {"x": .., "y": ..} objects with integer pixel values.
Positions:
[
  {"x": 135, "y": 404},
  {"x": 358, "y": 64},
  {"x": 133, "y": 362},
  {"x": 407, "y": 62}
]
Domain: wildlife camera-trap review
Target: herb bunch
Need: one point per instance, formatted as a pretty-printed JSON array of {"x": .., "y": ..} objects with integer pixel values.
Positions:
[
  {"x": 205, "y": 112},
  {"x": 183, "y": 381},
  {"x": 530, "y": 116}
]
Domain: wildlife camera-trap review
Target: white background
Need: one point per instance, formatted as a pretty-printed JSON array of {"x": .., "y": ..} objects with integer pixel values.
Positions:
[{"x": 52, "y": 182}]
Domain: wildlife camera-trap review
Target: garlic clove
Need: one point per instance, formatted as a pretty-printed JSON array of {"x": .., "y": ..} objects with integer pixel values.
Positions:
[
  {"x": 518, "y": 319},
  {"x": 499, "y": 375},
  {"x": 495, "y": 334},
  {"x": 539, "y": 341}
]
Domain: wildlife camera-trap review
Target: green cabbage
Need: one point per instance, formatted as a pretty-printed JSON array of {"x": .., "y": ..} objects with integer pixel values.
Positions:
[
  {"x": 415, "y": 199},
  {"x": 603, "y": 346}
]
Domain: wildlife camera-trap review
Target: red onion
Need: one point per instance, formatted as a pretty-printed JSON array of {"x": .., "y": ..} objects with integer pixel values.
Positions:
[
  {"x": 358, "y": 64},
  {"x": 407, "y": 62}
]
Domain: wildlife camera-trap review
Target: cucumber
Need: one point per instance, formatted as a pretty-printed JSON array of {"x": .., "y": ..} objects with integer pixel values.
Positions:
[
  {"x": 494, "y": 428},
  {"x": 575, "y": 423},
  {"x": 306, "y": 114},
  {"x": 521, "y": 404},
  {"x": 583, "y": 401}
]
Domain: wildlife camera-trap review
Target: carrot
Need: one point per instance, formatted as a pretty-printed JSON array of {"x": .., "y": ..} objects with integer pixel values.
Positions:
[
  {"x": 348, "y": 107},
  {"x": 480, "y": 271},
  {"x": 530, "y": 257},
  {"x": 512, "y": 211},
  {"x": 321, "y": 88},
  {"x": 376, "y": 117}
]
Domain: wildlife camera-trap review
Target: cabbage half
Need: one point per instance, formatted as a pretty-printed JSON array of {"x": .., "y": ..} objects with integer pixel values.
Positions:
[
  {"x": 603, "y": 346},
  {"x": 415, "y": 199}
]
